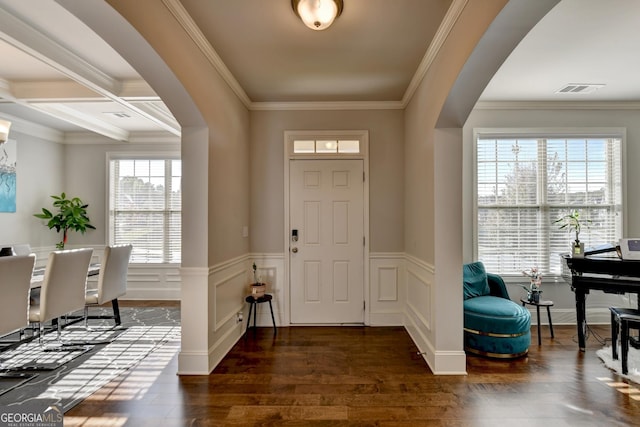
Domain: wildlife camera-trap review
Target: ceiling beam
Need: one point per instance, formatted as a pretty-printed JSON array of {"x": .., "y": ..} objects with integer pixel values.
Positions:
[
  {"x": 85, "y": 121},
  {"x": 40, "y": 46}
]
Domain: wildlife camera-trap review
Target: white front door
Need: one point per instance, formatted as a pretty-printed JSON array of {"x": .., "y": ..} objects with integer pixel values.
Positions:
[{"x": 326, "y": 213}]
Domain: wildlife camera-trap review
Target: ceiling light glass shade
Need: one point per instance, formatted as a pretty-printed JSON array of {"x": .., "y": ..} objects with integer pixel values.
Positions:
[
  {"x": 4, "y": 130},
  {"x": 317, "y": 14}
]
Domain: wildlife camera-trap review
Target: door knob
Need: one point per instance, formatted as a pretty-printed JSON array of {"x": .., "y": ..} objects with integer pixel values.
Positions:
[{"x": 294, "y": 250}]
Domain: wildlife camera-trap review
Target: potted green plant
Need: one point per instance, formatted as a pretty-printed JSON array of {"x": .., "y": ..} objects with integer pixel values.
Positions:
[
  {"x": 573, "y": 223},
  {"x": 71, "y": 214},
  {"x": 257, "y": 287}
]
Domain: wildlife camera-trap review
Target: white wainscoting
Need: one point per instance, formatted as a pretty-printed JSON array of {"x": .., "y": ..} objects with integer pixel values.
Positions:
[
  {"x": 387, "y": 289},
  {"x": 419, "y": 311},
  {"x": 228, "y": 286}
]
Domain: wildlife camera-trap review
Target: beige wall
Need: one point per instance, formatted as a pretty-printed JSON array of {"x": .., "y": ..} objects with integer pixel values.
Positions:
[
  {"x": 227, "y": 178},
  {"x": 421, "y": 117},
  {"x": 39, "y": 174},
  {"x": 386, "y": 161},
  {"x": 215, "y": 154},
  {"x": 433, "y": 161}
]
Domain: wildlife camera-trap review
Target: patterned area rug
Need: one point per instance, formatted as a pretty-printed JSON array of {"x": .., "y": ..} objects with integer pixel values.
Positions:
[
  {"x": 633, "y": 363},
  {"x": 96, "y": 357}
]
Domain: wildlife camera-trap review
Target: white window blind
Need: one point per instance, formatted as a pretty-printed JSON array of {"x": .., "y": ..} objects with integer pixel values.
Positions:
[
  {"x": 145, "y": 203},
  {"x": 523, "y": 184}
]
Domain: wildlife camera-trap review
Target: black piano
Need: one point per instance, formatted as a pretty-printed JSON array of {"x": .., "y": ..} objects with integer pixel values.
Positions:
[{"x": 604, "y": 273}]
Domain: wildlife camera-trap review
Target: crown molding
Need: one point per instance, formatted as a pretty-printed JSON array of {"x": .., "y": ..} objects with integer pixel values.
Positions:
[
  {"x": 186, "y": 22},
  {"x": 557, "y": 105},
  {"x": 317, "y": 106},
  {"x": 193, "y": 31},
  {"x": 449, "y": 20}
]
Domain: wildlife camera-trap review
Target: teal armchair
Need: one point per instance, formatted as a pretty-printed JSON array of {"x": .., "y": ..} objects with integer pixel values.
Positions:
[{"x": 494, "y": 326}]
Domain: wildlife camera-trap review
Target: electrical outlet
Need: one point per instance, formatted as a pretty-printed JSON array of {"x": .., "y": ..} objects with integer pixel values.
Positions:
[{"x": 239, "y": 317}]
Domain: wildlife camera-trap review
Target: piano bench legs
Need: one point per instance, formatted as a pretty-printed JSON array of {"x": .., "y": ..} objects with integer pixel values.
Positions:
[{"x": 623, "y": 319}]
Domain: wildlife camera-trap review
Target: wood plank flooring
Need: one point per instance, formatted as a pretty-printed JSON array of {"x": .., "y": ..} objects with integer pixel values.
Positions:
[{"x": 326, "y": 376}]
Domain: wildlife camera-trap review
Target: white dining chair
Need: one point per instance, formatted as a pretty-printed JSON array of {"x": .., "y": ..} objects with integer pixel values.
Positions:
[
  {"x": 112, "y": 282},
  {"x": 63, "y": 288},
  {"x": 15, "y": 281}
]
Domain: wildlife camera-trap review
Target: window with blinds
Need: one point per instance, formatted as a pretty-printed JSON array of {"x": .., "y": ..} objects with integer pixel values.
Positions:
[
  {"x": 145, "y": 203},
  {"x": 523, "y": 184}
]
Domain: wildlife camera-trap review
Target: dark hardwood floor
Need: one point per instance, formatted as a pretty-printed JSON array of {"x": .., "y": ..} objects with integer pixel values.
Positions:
[{"x": 368, "y": 376}]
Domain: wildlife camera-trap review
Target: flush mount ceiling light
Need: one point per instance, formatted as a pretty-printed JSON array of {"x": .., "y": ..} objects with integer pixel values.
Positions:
[{"x": 317, "y": 14}]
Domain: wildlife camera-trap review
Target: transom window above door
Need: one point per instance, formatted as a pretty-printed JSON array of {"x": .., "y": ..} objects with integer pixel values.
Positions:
[
  {"x": 317, "y": 144},
  {"x": 309, "y": 146}
]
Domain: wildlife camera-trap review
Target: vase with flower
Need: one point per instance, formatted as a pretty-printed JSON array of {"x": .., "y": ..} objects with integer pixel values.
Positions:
[
  {"x": 535, "y": 280},
  {"x": 258, "y": 288}
]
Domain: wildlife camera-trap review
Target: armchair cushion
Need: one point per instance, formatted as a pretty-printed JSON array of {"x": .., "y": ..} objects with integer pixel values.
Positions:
[
  {"x": 496, "y": 315},
  {"x": 475, "y": 280}
]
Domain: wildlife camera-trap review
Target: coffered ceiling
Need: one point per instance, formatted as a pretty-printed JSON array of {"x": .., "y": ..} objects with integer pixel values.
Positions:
[{"x": 59, "y": 78}]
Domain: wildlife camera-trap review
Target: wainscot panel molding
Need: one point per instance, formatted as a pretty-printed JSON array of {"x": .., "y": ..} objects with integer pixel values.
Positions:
[
  {"x": 149, "y": 282},
  {"x": 418, "y": 319},
  {"x": 387, "y": 291},
  {"x": 420, "y": 276},
  {"x": 227, "y": 288}
]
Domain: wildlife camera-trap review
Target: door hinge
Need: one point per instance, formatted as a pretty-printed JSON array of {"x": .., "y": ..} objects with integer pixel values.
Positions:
[
  {"x": 364, "y": 306},
  {"x": 363, "y": 241},
  {"x": 363, "y": 177}
]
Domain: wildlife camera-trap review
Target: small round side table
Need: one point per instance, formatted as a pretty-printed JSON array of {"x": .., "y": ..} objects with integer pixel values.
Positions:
[
  {"x": 539, "y": 304},
  {"x": 254, "y": 308}
]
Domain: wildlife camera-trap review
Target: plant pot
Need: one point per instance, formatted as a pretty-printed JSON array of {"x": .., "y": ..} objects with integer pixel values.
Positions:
[
  {"x": 534, "y": 297},
  {"x": 258, "y": 290},
  {"x": 577, "y": 250}
]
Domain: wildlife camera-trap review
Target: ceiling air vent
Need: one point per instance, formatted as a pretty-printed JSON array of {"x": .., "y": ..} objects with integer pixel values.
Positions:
[
  {"x": 118, "y": 114},
  {"x": 580, "y": 88}
]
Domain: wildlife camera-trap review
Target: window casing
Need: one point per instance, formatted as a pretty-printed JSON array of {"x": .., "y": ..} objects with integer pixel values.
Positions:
[
  {"x": 145, "y": 206},
  {"x": 525, "y": 182}
]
